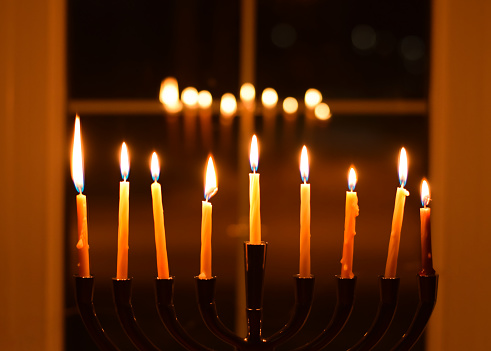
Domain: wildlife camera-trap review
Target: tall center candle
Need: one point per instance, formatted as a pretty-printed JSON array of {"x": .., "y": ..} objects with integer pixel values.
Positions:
[
  {"x": 158, "y": 221},
  {"x": 78, "y": 180},
  {"x": 124, "y": 209},
  {"x": 425, "y": 213},
  {"x": 304, "y": 266},
  {"x": 395, "y": 234},
  {"x": 351, "y": 212},
  {"x": 254, "y": 196},
  {"x": 206, "y": 209}
]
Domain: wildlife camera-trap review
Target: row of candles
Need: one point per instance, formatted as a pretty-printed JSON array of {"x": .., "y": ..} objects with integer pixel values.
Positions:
[
  {"x": 211, "y": 187},
  {"x": 192, "y": 100}
]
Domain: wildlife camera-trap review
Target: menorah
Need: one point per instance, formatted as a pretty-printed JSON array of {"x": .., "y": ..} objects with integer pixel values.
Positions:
[{"x": 254, "y": 263}]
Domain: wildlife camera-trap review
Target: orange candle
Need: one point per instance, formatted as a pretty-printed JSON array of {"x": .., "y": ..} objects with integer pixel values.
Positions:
[
  {"x": 395, "y": 234},
  {"x": 254, "y": 196},
  {"x": 206, "y": 208},
  {"x": 78, "y": 180},
  {"x": 158, "y": 221},
  {"x": 425, "y": 213},
  {"x": 351, "y": 212},
  {"x": 124, "y": 209},
  {"x": 304, "y": 216}
]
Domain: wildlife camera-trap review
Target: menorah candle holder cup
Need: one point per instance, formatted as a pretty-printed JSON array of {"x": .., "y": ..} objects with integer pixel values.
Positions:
[{"x": 84, "y": 293}]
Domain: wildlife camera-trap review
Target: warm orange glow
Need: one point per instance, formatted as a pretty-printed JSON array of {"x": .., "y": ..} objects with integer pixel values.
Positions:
[
  {"x": 254, "y": 154},
  {"x": 352, "y": 179},
  {"x": 312, "y": 98},
  {"x": 247, "y": 92},
  {"x": 403, "y": 167},
  {"x": 155, "y": 167},
  {"x": 228, "y": 105},
  {"x": 290, "y": 105},
  {"x": 322, "y": 111},
  {"x": 304, "y": 165},
  {"x": 77, "y": 158},
  {"x": 125, "y": 162},
  {"x": 204, "y": 99},
  {"x": 425, "y": 193},
  {"x": 189, "y": 97},
  {"x": 210, "y": 179},
  {"x": 269, "y": 97},
  {"x": 169, "y": 95}
]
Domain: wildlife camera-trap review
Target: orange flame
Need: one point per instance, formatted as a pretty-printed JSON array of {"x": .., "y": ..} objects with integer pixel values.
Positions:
[
  {"x": 304, "y": 164},
  {"x": 125, "y": 162},
  {"x": 254, "y": 154},
  {"x": 77, "y": 158},
  {"x": 403, "y": 167},
  {"x": 210, "y": 179},
  {"x": 155, "y": 167},
  {"x": 352, "y": 179},
  {"x": 425, "y": 193}
]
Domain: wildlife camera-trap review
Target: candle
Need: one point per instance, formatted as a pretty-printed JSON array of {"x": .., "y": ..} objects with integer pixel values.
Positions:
[
  {"x": 269, "y": 98},
  {"x": 254, "y": 196},
  {"x": 425, "y": 213},
  {"x": 210, "y": 190},
  {"x": 78, "y": 180},
  {"x": 395, "y": 234},
  {"x": 228, "y": 108},
  {"x": 124, "y": 209},
  {"x": 169, "y": 95},
  {"x": 304, "y": 216},
  {"x": 247, "y": 96},
  {"x": 158, "y": 220},
  {"x": 351, "y": 212},
  {"x": 312, "y": 98}
]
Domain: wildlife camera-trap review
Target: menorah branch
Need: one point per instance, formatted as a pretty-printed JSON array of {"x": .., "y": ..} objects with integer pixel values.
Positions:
[
  {"x": 122, "y": 301},
  {"x": 84, "y": 293},
  {"x": 304, "y": 294},
  {"x": 164, "y": 290},
  {"x": 389, "y": 291},
  {"x": 344, "y": 306},
  {"x": 428, "y": 287}
]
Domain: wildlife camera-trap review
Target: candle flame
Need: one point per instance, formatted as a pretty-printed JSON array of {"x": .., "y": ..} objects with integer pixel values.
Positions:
[
  {"x": 403, "y": 167},
  {"x": 352, "y": 179},
  {"x": 155, "y": 167},
  {"x": 312, "y": 98},
  {"x": 290, "y": 105},
  {"x": 425, "y": 193},
  {"x": 189, "y": 97},
  {"x": 125, "y": 162},
  {"x": 210, "y": 179},
  {"x": 228, "y": 105},
  {"x": 247, "y": 92},
  {"x": 77, "y": 159},
  {"x": 254, "y": 154},
  {"x": 304, "y": 165},
  {"x": 169, "y": 95},
  {"x": 204, "y": 99},
  {"x": 269, "y": 97}
]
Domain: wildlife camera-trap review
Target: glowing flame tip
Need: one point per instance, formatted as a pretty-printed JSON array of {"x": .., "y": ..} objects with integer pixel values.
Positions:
[
  {"x": 352, "y": 179},
  {"x": 425, "y": 193},
  {"x": 304, "y": 164},
  {"x": 155, "y": 167},
  {"x": 211, "y": 186},
  {"x": 254, "y": 154},
  {"x": 403, "y": 167},
  {"x": 125, "y": 162},
  {"x": 77, "y": 159}
]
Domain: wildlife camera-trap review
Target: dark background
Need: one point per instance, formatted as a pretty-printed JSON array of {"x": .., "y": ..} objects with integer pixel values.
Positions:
[{"x": 349, "y": 50}]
